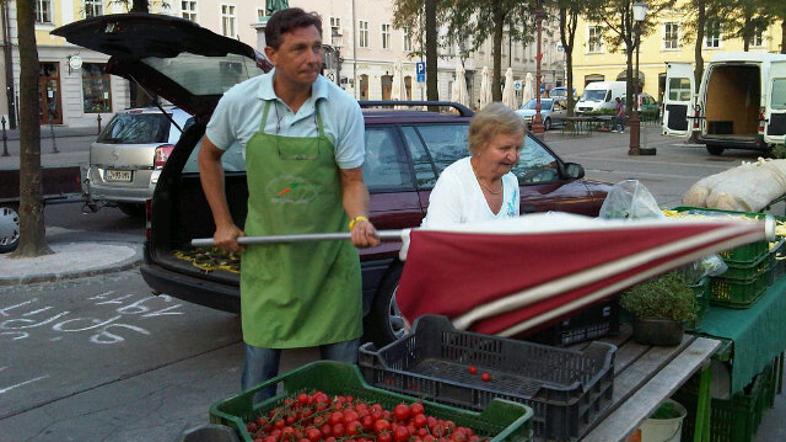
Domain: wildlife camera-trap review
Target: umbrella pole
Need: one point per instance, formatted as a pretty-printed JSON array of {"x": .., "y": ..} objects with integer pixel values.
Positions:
[{"x": 384, "y": 235}]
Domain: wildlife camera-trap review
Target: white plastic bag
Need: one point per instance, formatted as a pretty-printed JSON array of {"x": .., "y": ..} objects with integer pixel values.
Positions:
[{"x": 629, "y": 199}]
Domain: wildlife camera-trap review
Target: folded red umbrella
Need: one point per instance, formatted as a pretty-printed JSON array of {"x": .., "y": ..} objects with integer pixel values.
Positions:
[{"x": 506, "y": 277}]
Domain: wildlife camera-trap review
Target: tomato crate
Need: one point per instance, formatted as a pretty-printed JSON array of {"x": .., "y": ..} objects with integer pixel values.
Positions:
[
  {"x": 566, "y": 388},
  {"x": 501, "y": 420},
  {"x": 742, "y": 255},
  {"x": 739, "y": 294},
  {"x": 592, "y": 323}
]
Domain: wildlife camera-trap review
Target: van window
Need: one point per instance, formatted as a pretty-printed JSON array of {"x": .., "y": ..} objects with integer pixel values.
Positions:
[
  {"x": 679, "y": 89},
  {"x": 593, "y": 95},
  {"x": 778, "y": 100},
  {"x": 136, "y": 128}
]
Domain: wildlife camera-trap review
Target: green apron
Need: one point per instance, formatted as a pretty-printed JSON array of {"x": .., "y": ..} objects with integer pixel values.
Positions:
[{"x": 300, "y": 294}]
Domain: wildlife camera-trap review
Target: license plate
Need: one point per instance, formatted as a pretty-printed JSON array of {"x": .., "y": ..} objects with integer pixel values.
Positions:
[{"x": 118, "y": 175}]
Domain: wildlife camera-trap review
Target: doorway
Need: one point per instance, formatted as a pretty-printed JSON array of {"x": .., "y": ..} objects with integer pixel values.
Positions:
[
  {"x": 50, "y": 107},
  {"x": 386, "y": 81},
  {"x": 364, "y": 87}
]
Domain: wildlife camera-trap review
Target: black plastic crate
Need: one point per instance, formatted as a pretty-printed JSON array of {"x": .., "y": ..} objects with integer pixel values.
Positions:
[
  {"x": 592, "y": 323},
  {"x": 566, "y": 388}
]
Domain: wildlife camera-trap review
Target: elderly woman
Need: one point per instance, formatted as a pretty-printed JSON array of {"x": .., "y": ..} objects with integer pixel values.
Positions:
[{"x": 481, "y": 187}]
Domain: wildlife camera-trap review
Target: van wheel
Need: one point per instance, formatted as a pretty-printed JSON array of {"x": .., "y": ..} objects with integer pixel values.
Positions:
[
  {"x": 132, "y": 210},
  {"x": 9, "y": 229},
  {"x": 715, "y": 150},
  {"x": 384, "y": 323}
]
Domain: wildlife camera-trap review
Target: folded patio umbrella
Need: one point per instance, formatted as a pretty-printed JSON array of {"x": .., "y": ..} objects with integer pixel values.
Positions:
[{"x": 507, "y": 277}]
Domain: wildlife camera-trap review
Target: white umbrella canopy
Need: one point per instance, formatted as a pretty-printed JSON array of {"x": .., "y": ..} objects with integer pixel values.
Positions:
[
  {"x": 485, "y": 87},
  {"x": 397, "y": 89},
  {"x": 508, "y": 93},
  {"x": 459, "y": 94},
  {"x": 529, "y": 88}
]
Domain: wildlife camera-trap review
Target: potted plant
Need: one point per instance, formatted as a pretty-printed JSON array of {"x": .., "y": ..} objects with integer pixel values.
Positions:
[{"x": 659, "y": 307}]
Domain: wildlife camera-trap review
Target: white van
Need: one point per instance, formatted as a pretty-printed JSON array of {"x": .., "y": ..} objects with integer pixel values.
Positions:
[
  {"x": 741, "y": 102},
  {"x": 600, "y": 95}
]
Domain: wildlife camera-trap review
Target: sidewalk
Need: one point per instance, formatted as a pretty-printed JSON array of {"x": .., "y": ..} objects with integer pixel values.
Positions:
[
  {"x": 60, "y": 132},
  {"x": 70, "y": 260}
]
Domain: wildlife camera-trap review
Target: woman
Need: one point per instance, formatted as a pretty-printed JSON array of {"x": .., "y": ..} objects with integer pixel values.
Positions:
[{"x": 481, "y": 187}]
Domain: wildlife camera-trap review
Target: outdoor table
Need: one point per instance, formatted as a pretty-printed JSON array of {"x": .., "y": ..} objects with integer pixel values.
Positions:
[
  {"x": 578, "y": 125},
  {"x": 757, "y": 334},
  {"x": 646, "y": 376}
]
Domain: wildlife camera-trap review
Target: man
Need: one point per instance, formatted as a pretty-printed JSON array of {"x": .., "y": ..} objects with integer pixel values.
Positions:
[
  {"x": 304, "y": 146},
  {"x": 619, "y": 116}
]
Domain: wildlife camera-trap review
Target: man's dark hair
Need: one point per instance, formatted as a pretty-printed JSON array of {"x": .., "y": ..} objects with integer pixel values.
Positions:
[{"x": 287, "y": 20}]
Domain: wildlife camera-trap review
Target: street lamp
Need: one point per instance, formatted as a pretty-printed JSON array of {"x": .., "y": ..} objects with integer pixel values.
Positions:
[
  {"x": 537, "y": 119},
  {"x": 639, "y": 14}
]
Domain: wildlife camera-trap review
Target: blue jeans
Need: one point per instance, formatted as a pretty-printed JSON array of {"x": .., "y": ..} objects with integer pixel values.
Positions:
[
  {"x": 262, "y": 363},
  {"x": 619, "y": 123}
]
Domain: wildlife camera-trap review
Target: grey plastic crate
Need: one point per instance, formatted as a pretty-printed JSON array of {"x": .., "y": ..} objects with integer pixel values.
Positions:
[{"x": 566, "y": 388}]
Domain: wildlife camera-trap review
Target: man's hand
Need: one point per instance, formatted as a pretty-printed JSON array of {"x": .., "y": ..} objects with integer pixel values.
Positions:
[
  {"x": 226, "y": 237},
  {"x": 364, "y": 234}
]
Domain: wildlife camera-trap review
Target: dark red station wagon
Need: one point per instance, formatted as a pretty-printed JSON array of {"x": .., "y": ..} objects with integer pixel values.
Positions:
[{"x": 405, "y": 152}]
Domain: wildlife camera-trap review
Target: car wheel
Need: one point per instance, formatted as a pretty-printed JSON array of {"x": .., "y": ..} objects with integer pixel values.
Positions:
[
  {"x": 715, "y": 150},
  {"x": 547, "y": 124},
  {"x": 132, "y": 210},
  {"x": 9, "y": 229},
  {"x": 384, "y": 322}
]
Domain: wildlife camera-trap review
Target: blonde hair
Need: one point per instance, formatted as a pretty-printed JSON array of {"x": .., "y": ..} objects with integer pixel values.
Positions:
[{"x": 492, "y": 120}]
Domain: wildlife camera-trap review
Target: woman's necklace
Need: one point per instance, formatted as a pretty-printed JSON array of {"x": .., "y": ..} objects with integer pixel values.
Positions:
[{"x": 483, "y": 186}]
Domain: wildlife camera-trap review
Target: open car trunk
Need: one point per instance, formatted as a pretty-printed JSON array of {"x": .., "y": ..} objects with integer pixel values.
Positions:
[{"x": 733, "y": 100}]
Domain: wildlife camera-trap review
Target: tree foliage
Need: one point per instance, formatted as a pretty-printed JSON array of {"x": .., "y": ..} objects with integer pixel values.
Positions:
[{"x": 568, "y": 13}]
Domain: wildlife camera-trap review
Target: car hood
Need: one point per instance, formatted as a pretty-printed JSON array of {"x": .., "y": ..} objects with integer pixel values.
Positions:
[{"x": 174, "y": 58}]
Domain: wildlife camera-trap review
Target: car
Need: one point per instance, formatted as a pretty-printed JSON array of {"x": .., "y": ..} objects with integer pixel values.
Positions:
[
  {"x": 552, "y": 111},
  {"x": 127, "y": 157},
  {"x": 406, "y": 151},
  {"x": 562, "y": 92}
]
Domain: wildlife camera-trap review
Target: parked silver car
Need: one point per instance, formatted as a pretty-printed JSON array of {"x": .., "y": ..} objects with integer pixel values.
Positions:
[
  {"x": 552, "y": 110},
  {"x": 128, "y": 156}
]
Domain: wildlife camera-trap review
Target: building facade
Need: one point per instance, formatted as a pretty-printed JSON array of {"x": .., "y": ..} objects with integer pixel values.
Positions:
[{"x": 594, "y": 61}]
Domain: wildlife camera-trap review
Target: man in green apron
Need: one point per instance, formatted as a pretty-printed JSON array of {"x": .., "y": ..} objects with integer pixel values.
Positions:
[{"x": 304, "y": 146}]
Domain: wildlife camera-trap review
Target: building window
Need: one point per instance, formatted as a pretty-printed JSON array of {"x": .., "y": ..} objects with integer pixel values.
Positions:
[
  {"x": 228, "y": 20},
  {"x": 335, "y": 31},
  {"x": 671, "y": 36},
  {"x": 43, "y": 11},
  {"x": 758, "y": 38},
  {"x": 96, "y": 88},
  {"x": 407, "y": 38},
  {"x": 261, "y": 14},
  {"x": 712, "y": 37},
  {"x": 189, "y": 9},
  {"x": 386, "y": 36},
  {"x": 363, "y": 34},
  {"x": 93, "y": 8},
  {"x": 595, "y": 39}
]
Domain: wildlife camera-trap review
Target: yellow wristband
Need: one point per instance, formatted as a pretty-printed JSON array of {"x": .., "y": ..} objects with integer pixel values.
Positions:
[{"x": 356, "y": 220}]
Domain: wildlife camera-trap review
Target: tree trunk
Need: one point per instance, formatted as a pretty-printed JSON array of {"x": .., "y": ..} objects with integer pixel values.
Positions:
[
  {"x": 701, "y": 22},
  {"x": 432, "y": 59},
  {"x": 628, "y": 78},
  {"x": 783, "y": 35},
  {"x": 31, "y": 209},
  {"x": 569, "y": 64},
  {"x": 140, "y": 6},
  {"x": 496, "y": 89}
]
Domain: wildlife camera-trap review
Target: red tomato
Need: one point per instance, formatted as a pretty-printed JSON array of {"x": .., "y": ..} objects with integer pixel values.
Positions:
[
  {"x": 384, "y": 437},
  {"x": 485, "y": 377},
  {"x": 336, "y": 417},
  {"x": 350, "y": 416},
  {"x": 416, "y": 408},
  {"x": 303, "y": 399},
  {"x": 368, "y": 422},
  {"x": 326, "y": 429},
  {"x": 419, "y": 421},
  {"x": 313, "y": 434},
  {"x": 338, "y": 430},
  {"x": 401, "y": 434},
  {"x": 401, "y": 412},
  {"x": 472, "y": 369},
  {"x": 381, "y": 425},
  {"x": 280, "y": 424}
]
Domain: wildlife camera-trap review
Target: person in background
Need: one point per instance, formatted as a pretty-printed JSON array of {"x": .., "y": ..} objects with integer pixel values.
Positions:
[
  {"x": 619, "y": 116},
  {"x": 481, "y": 187},
  {"x": 304, "y": 145}
]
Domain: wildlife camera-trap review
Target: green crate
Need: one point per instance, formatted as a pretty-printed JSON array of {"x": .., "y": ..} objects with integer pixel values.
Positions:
[
  {"x": 746, "y": 272},
  {"x": 732, "y": 420},
  {"x": 742, "y": 255},
  {"x": 739, "y": 294},
  {"x": 501, "y": 421}
]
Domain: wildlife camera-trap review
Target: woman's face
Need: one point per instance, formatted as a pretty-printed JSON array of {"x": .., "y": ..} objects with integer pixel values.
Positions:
[{"x": 500, "y": 153}]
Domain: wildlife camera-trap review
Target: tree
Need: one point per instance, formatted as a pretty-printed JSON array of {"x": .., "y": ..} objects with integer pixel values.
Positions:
[
  {"x": 406, "y": 13},
  {"x": 745, "y": 19},
  {"x": 777, "y": 10},
  {"x": 31, "y": 208},
  {"x": 568, "y": 12},
  {"x": 617, "y": 15}
]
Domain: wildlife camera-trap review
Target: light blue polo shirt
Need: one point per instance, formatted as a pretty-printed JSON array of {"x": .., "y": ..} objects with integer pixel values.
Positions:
[{"x": 239, "y": 113}]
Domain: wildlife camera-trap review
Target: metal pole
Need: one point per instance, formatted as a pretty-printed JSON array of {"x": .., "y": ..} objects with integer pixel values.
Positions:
[
  {"x": 635, "y": 123},
  {"x": 5, "y": 139},
  {"x": 98, "y": 118},
  {"x": 54, "y": 142},
  {"x": 384, "y": 235},
  {"x": 537, "y": 120}
]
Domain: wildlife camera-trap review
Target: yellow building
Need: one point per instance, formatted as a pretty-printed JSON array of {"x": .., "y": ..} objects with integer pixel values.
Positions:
[{"x": 665, "y": 43}]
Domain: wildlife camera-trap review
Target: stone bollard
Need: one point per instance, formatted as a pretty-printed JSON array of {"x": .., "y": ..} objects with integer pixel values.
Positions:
[
  {"x": 98, "y": 118},
  {"x": 5, "y": 139}
]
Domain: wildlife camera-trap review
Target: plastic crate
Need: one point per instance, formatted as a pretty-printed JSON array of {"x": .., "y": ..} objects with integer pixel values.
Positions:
[
  {"x": 739, "y": 293},
  {"x": 566, "y": 388},
  {"x": 701, "y": 290},
  {"x": 592, "y": 323},
  {"x": 736, "y": 419},
  {"x": 500, "y": 421},
  {"x": 745, "y": 272},
  {"x": 742, "y": 255}
]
